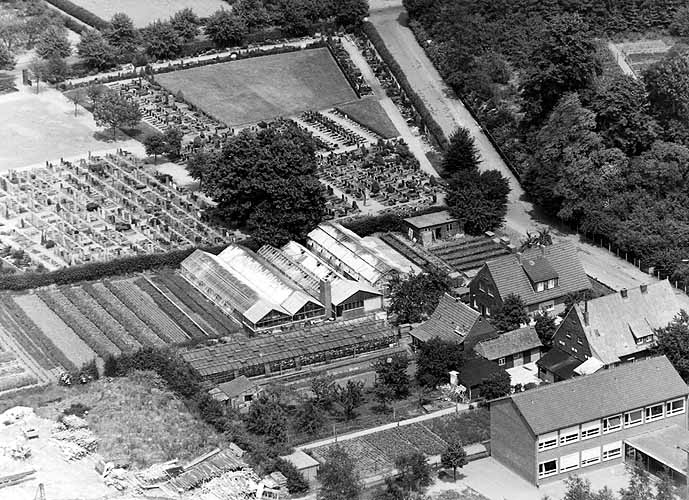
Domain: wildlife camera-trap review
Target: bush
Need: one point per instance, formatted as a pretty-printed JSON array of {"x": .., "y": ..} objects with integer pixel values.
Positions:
[
  {"x": 367, "y": 225},
  {"x": 77, "y": 409},
  {"x": 80, "y": 13},
  {"x": 295, "y": 479}
]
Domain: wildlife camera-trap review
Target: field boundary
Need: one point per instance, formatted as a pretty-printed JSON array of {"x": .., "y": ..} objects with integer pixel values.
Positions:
[{"x": 80, "y": 13}]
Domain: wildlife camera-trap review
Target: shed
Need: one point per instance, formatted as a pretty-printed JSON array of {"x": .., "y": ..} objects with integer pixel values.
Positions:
[
  {"x": 428, "y": 228},
  {"x": 238, "y": 392},
  {"x": 304, "y": 463}
]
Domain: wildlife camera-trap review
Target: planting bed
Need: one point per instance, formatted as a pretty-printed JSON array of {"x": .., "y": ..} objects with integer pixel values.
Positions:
[{"x": 367, "y": 458}]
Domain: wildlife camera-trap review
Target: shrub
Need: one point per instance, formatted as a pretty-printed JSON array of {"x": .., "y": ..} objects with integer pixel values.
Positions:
[
  {"x": 78, "y": 409},
  {"x": 80, "y": 13},
  {"x": 295, "y": 479}
]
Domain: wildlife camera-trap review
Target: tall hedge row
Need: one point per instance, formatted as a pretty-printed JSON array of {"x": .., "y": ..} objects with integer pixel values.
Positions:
[
  {"x": 433, "y": 128},
  {"x": 80, "y": 13}
]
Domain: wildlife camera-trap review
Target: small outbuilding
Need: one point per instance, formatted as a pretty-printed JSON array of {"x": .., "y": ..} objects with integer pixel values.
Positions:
[
  {"x": 428, "y": 228},
  {"x": 304, "y": 463},
  {"x": 238, "y": 393}
]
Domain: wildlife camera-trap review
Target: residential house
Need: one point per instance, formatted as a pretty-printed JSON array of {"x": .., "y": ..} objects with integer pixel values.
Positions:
[
  {"x": 429, "y": 228},
  {"x": 542, "y": 276},
  {"x": 237, "y": 393},
  {"x": 454, "y": 321},
  {"x": 609, "y": 330},
  {"x": 593, "y": 421},
  {"x": 474, "y": 371},
  {"x": 510, "y": 349}
]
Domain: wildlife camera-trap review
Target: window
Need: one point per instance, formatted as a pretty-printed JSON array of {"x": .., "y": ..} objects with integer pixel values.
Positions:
[
  {"x": 569, "y": 435},
  {"x": 548, "y": 468},
  {"x": 654, "y": 412},
  {"x": 562, "y": 342},
  {"x": 574, "y": 349},
  {"x": 674, "y": 407},
  {"x": 501, "y": 361},
  {"x": 612, "y": 450},
  {"x": 590, "y": 430},
  {"x": 547, "y": 441},
  {"x": 634, "y": 418},
  {"x": 569, "y": 462},
  {"x": 357, "y": 304},
  {"x": 590, "y": 457},
  {"x": 649, "y": 339},
  {"x": 481, "y": 286},
  {"x": 552, "y": 283},
  {"x": 248, "y": 398},
  {"x": 612, "y": 424},
  {"x": 540, "y": 286}
]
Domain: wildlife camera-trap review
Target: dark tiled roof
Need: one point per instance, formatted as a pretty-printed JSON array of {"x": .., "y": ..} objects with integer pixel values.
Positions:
[
  {"x": 539, "y": 269},
  {"x": 452, "y": 320},
  {"x": 607, "y": 392},
  {"x": 510, "y": 277},
  {"x": 508, "y": 343},
  {"x": 475, "y": 370},
  {"x": 559, "y": 362},
  {"x": 236, "y": 387}
]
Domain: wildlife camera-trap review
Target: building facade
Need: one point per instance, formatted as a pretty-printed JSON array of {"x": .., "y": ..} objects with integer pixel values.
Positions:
[{"x": 430, "y": 228}]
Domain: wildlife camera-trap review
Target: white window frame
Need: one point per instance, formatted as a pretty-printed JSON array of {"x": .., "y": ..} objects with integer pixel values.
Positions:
[
  {"x": 614, "y": 429},
  {"x": 591, "y": 430},
  {"x": 541, "y": 469},
  {"x": 653, "y": 418},
  {"x": 540, "y": 286},
  {"x": 569, "y": 435},
  {"x": 590, "y": 457},
  {"x": 501, "y": 362},
  {"x": 669, "y": 411},
  {"x": 552, "y": 283},
  {"x": 627, "y": 418},
  {"x": 547, "y": 441},
  {"x": 611, "y": 451},
  {"x": 569, "y": 462}
]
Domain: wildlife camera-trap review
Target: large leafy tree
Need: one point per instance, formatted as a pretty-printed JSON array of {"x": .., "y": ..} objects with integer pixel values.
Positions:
[
  {"x": 436, "y": 358},
  {"x": 114, "y": 109},
  {"x": 226, "y": 28},
  {"x": 511, "y": 315},
  {"x": 667, "y": 83},
  {"x": 392, "y": 373},
  {"x": 186, "y": 24},
  {"x": 478, "y": 200},
  {"x": 155, "y": 145},
  {"x": 95, "y": 50},
  {"x": 673, "y": 342},
  {"x": 173, "y": 142},
  {"x": 499, "y": 384},
  {"x": 338, "y": 477},
  {"x": 267, "y": 418},
  {"x": 350, "y": 12},
  {"x": 266, "y": 180},
  {"x": 462, "y": 153},
  {"x": 53, "y": 43},
  {"x": 162, "y": 40},
  {"x": 121, "y": 34},
  {"x": 414, "y": 471},
  {"x": 253, "y": 12},
  {"x": 454, "y": 457},
  {"x": 7, "y": 60},
  {"x": 545, "y": 328},
  {"x": 414, "y": 298},
  {"x": 562, "y": 60}
]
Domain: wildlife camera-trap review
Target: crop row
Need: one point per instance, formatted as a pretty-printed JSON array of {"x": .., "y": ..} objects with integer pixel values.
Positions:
[
  {"x": 170, "y": 309},
  {"x": 29, "y": 345},
  {"x": 101, "y": 318},
  {"x": 123, "y": 315},
  {"x": 422, "y": 439},
  {"x": 9, "y": 382},
  {"x": 390, "y": 444},
  {"x": 197, "y": 302},
  {"x": 28, "y": 328},
  {"x": 146, "y": 310},
  {"x": 81, "y": 325},
  {"x": 11, "y": 368},
  {"x": 367, "y": 459}
]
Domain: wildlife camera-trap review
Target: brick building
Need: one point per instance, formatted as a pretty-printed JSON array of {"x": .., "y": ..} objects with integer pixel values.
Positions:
[
  {"x": 514, "y": 348},
  {"x": 593, "y": 421}
]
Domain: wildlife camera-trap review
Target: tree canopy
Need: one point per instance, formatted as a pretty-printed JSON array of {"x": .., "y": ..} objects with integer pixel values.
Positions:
[
  {"x": 121, "y": 34},
  {"x": 454, "y": 457},
  {"x": 673, "y": 342},
  {"x": 162, "y": 40},
  {"x": 414, "y": 471},
  {"x": 114, "y": 109},
  {"x": 478, "y": 200},
  {"x": 53, "y": 43},
  {"x": 392, "y": 373},
  {"x": 95, "y": 50},
  {"x": 462, "y": 153},
  {"x": 338, "y": 477},
  {"x": 226, "y": 28},
  {"x": 435, "y": 359},
  {"x": 414, "y": 298},
  {"x": 511, "y": 315}
]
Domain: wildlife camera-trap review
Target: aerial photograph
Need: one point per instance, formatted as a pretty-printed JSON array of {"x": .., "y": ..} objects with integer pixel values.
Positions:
[{"x": 344, "y": 250}]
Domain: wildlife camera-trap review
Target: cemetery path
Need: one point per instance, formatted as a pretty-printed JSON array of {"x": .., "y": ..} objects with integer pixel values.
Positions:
[{"x": 621, "y": 61}]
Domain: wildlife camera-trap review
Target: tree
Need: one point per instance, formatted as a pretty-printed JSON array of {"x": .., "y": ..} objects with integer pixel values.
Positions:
[
  {"x": 680, "y": 22},
  {"x": 639, "y": 487},
  {"x": 173, "y": 142},
  {"x": 11, "y": 31},
  {"x": 155, "y": 145},
  {"x": 665, "y": 488},
  {"x": 7, "y": 60},
  {"x": 350, "y": 398},
  {"x": 414, "y": 471},
  {"x": 162, "y": 41},
  {"x": 266, "y": 181},
  {"x": 253, "y": 13},
  {"x": 415, "y": 298},
  {"x": 545, "y": 328},
  {"x": 383, "y": 394},
  {"x": 462, "y": 153},
  {"x": 36, "y": 25},
  {"x": 115, "y": 110},
  {"x": 435, "y": 359},
  {"x": 563, "y": 60},
  {"x": 295, "y": 480},
  {"x": 186, "y": 24},
  {"x": 454, "y": 457},
  {"x": 478, "y": 200},
  {"x": 667, "y": 84},
  {"x": 95, "y": 51},
  {"x": 541, "y": 238},
  {"x": 37, "y": 67},
  {"x": 53, "y": 43},
  {"x": 267, "y": 418},
  {"x": 673, "y": 342},
  {"x": 511, "y": 315},
  {"x": 496, "y": 386},
  {"x": 350, "y": 12},
  {"x": 324, "y": 390},
  {"x": 55, "y": 70},
  {"x": 121, "y": 34},
  {"x": 392, "y": 373},
  {"x": 226, "y": 29},
  {"x": 338, "y": 477},
  {"x": 309, "y": 417}
]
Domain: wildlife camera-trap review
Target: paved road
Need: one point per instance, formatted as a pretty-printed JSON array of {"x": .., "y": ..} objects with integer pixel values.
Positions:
[{"x": 388, "y": 17}]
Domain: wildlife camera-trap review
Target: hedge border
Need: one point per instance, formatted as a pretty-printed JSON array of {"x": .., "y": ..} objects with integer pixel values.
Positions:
[{"x": 84, "y": 15}]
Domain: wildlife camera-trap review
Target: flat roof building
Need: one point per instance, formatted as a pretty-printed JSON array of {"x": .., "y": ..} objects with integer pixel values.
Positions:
[{"x": 429, "y": 228}]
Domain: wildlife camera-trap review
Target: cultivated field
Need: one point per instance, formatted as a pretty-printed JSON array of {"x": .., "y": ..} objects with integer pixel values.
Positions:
[
  {"x": 66, "y": 327},
  {"x": 143, "y": 13},
  {"x": 262, "y": 88},
  {"x": 13, "y": 373}
]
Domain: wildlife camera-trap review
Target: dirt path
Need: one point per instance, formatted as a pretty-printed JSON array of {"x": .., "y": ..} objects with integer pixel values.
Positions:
[{"x": 621, "y": 61}]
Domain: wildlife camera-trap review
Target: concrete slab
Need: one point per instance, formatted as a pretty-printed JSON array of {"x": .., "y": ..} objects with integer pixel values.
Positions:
[{"x": 524, "y": 374}]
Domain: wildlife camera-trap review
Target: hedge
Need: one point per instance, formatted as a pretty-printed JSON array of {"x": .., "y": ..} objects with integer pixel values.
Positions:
[
  {"x": 433, "y": 128},
  {"x": 80, "y": 13},
  {"x": 385, "y": 223},
  {"x": 99, "y": 270}
]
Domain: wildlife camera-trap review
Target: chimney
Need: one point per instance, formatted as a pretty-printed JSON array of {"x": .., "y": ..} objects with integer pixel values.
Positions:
[
  {"x": 542, "y": 249},
  {"x": 623, "y": 293},
  {"x": 644, "y": 288},
  {"x": 519, "y": 257},
  {"x": 326, "y": 298},
  {"x": 586, "y": 313}
]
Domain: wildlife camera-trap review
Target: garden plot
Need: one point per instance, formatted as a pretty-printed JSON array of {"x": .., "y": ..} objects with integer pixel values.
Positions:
[
  {"x": 248, "y": 91},
  {"x": 642, "y": 54},
  {"x": 13, "y": 374},
  {"x": 143, "y": 13}
]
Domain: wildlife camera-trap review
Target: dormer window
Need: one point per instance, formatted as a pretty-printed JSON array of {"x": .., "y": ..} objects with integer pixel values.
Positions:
[
  {"x": 540, "y": 273},
  {"x": 542, "y": 286}
]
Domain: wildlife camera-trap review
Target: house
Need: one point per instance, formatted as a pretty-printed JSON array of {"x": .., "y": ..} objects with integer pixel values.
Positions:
[
  {"x": 454, "y": 321},
  {"x": 541, "y": 276},
  {"x": 304, "y": 463},
  {"x": 429, "y": 228},
  {"x": 609, "y": 330},
  {"x": 593, "y": 421},
  {"x": 474, "y": 371},
  {"x": 237, "y": 393},
  {"x": 511, "y": 349}
]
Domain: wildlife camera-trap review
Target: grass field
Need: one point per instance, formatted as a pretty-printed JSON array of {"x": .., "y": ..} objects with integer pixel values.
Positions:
[
  {"x": 369, "y": 113},
  {"x": 262, "y": 88},
  {"x": 143, "y": 13}
]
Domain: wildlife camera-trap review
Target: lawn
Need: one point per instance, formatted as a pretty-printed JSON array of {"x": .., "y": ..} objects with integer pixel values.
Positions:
[
  {"x": 248, "y": 91},
  {"x": 369, "y": 113},
  {"x": 143, "y": 13}
]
